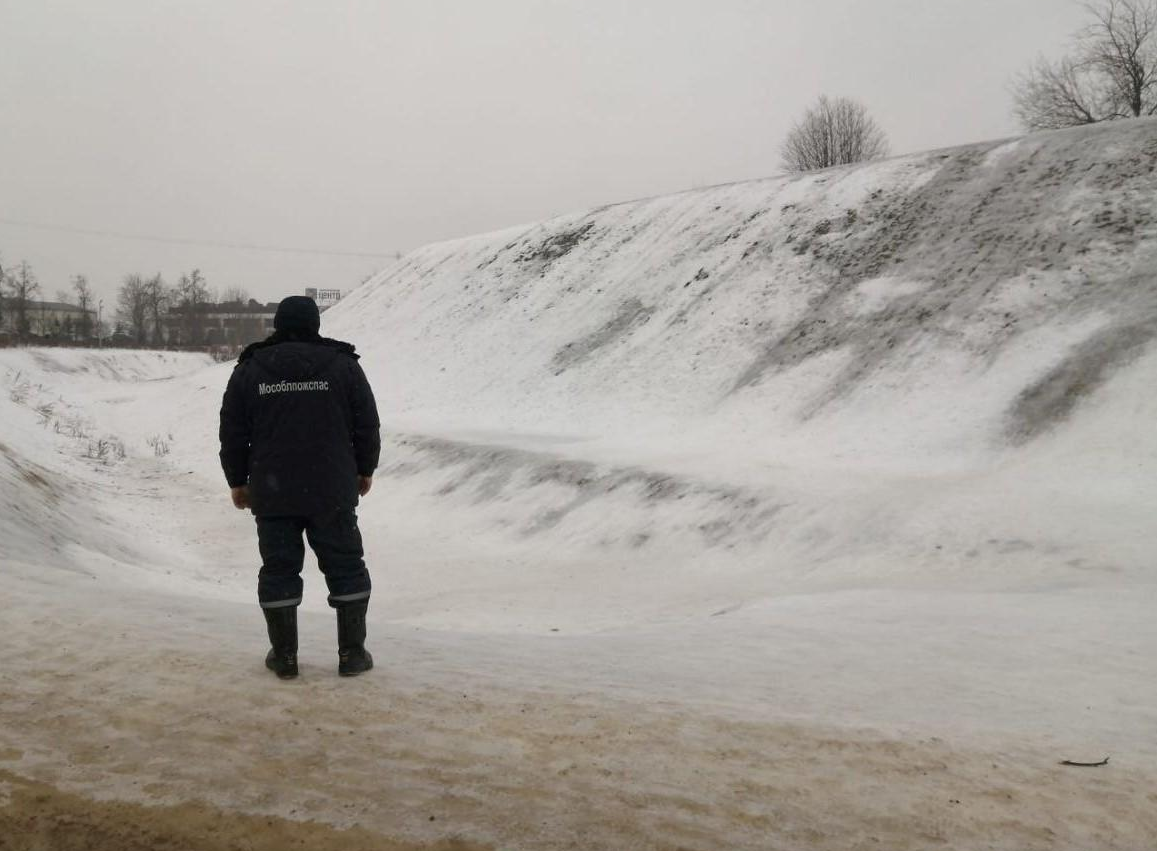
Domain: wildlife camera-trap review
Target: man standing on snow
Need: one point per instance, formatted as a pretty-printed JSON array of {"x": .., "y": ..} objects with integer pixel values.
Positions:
[{"x": 299, "y": 444}]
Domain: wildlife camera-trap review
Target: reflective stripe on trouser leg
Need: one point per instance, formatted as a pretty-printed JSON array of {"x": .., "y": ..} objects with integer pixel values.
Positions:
[
  {"x": 279, "y": 604},
  {"x": 334, "y": 599},
  {"x": 336, "y": 540},
  {"x": 280, "y": 543}
]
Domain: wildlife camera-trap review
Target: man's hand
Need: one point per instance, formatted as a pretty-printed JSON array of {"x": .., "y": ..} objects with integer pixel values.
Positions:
[
  {"x": 364, "y": 485},
  {"x": 241, "y": 497}
]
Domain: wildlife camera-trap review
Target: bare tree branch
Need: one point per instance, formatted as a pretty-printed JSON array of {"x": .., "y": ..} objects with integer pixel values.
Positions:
[
  {"x": 133, "y": 308},
  {"x": 22, "y": 286},
  {"x": 85, "y": 302},
  {"x": 1053, "y": 95},
  {"x": 156, "y": 297},
  {"x": 833, "y": 132},
  {"x": 190, "y": 293},
  {"x": 1110, "y": 72}
]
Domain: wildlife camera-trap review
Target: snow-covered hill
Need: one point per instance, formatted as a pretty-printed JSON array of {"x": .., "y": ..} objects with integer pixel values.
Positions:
[
  {"x": 985, "y": 288},
  {"x": 936, "y": 368},
  {"x": 811, "y": 512}
]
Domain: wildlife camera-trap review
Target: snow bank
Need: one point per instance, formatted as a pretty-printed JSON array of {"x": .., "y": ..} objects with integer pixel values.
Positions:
[
  {"x": 920, "y": 304},
  {"x": 771, "y": 514},
  {"x": 85, "y": 365},
  {"x": 935, "y": 368},
  {"x": 83, "y": 432}
]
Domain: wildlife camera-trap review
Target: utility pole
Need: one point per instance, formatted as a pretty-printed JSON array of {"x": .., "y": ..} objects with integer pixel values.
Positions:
[{"x": 100, "y": 305}]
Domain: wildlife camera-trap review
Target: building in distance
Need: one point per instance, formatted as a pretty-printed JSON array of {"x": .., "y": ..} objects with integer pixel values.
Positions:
[
  {"x": 230, "y": 324},
  {"x": 233, "y": 324},
  {"x": 53, "y": 319}
]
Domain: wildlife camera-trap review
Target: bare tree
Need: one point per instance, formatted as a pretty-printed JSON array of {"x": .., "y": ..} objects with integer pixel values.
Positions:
[
  {"x": 833, "y": 132},
  {"x": 84, "y": 297},
  {"x": 235, "y": 295},
  {"x": 188, "y": 296},
  {"x": 156, "y": 297},
  {"x": 192, "y": 289},
  {"x": 1122, "y": 44},
  {"x": 1109, "y": 73},
  {"x": 133, "y": 308},
  {"x": 236, "y": 329},
  {"x": 1057, "y": 94},
  {"x": 22, "y": 286}
]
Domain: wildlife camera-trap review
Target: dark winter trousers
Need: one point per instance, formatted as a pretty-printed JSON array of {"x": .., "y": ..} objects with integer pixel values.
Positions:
[{"x": 336, "y": 542}]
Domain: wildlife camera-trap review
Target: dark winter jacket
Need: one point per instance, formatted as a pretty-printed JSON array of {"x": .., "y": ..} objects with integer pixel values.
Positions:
[{"x": 299, "y": 426}]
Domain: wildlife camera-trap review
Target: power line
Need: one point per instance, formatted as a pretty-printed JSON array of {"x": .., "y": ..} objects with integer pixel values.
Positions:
[{"x": 173, "y": 240}]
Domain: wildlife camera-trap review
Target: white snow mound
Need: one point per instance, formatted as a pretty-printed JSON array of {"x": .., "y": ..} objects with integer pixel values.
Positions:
[{"x": 935, "y": 368}]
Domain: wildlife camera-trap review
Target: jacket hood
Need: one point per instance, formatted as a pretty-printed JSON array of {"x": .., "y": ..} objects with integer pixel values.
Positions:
[
  {"x": 279, "y": 338},
  {"x": 296, "y": 360}
]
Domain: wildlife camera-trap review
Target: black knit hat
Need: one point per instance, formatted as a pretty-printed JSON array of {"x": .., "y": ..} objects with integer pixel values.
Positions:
[{"x": 297, "y": 313}]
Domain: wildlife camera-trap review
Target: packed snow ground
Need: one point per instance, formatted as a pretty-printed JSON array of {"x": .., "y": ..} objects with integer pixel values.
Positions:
[{"x": 810, "y": 512}]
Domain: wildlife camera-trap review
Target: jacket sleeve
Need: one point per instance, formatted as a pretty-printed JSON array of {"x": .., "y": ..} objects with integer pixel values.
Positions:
[
  {"x": 364, "y": 423},
  {"x": 234, "y": 431}
]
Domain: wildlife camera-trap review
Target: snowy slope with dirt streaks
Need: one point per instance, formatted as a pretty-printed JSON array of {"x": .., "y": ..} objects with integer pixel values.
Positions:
[
  {"x": 809, "y": 512},
  {"x": 935, "y": 367},
  {"x": 794, "y": 303}
]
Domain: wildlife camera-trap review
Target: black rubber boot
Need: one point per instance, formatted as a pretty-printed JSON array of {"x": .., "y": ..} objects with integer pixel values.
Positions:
[
  {"x": 353, "y": 658},
  {"x": 282, "y": 625}
]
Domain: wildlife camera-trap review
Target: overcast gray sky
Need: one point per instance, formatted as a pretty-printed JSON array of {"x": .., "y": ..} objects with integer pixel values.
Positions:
[{"x": 379, "y": 126}]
